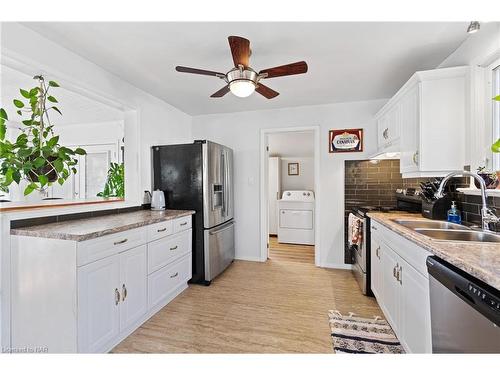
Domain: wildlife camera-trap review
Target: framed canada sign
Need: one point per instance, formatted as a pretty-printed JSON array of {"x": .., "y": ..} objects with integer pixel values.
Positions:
[{"x": 345, "y": 140}]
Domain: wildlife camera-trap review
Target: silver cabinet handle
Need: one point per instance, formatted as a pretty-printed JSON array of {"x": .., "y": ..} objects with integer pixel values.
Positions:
[
  {"x": 394, "y": 271},
  {"x": 120, "y": 242},
  {"x": 400, "y": 275},
  {"x": 377, "y": 252},
  {"x": 415, "y": 158},
  {"x": 117, "y": 296},
  {"x": 374, "y": 228},
  {"x": 182, "y": 224},
  {"x": 174, "y": 275},
  {"x": 174, "y": 248},
  {"x": 385, "y": 134},
  {"x": 161, "y": 230},
  {"x": 124, "y": 292}
]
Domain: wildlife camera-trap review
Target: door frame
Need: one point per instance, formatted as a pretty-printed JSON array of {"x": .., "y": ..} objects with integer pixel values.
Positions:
[{"x": 264, "y": 187}]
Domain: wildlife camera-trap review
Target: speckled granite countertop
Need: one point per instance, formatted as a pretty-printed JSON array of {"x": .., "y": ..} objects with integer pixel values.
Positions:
[
  {"x": 86, "y": 229},
  {"x": 481, "y": 260}
]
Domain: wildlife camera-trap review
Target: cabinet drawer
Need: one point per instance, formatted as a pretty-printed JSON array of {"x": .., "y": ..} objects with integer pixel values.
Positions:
[
  {"x": 98, "y": 248},
  {"x": 162, "y": 283},
  {"x": 159, "y": 230},
  {"x": 182, "y": 223},
  {"x": 167, "y": 249}
]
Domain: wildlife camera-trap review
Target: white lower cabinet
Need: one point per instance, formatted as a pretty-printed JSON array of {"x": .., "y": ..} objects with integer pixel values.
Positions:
[
  {"x": 376, "y": 266},
  {"x": 90, "y": 295},
  {"x": 391, "y": 287},
  {"x": 133, "y": 287},
  {"x": 98, "y": 310},
  {"x": 112, "y": 296},
  {"x": 401, "y": 286}
]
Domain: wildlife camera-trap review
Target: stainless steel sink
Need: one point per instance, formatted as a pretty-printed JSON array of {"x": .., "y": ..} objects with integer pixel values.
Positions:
[
  {"x": 459, "y": 235},
  {"x": 428, "y": 224}
]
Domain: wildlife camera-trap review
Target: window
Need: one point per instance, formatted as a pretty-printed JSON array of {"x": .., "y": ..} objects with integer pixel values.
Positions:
[{"x": 495, "y": 110}]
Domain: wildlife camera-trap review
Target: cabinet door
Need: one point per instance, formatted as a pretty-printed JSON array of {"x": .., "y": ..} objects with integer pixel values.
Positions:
[
  {"x": 133, "y": 286},
  {"x": 382, "y": 131},
  {"x": 410, "y": 131},
  {"x": 391, "y": 288},
  {"x": 98, "y": 304},
  {"x": 415, "y": 310},
  {"x": 376, "y": 267}
]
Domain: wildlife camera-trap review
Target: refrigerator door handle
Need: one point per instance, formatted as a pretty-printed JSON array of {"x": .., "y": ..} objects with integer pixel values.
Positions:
[
  {"x": 224, "y": 193},
  {"x": 226, "y": 184}
]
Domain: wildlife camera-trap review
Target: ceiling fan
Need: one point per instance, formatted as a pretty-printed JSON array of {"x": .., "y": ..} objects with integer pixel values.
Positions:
[{"x": 242, "y": 80}]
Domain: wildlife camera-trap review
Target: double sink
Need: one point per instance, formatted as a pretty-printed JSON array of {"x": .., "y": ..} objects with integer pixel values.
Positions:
[{"x": 445, "y": 231}]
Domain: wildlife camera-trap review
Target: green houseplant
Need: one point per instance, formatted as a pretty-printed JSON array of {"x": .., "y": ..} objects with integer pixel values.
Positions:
[
  {"x": 36, "y": 155},
  {"x": 115, "y": 182}
]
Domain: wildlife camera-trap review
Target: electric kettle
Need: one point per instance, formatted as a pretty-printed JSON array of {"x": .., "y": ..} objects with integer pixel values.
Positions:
[{"x": 158, "y": 201}]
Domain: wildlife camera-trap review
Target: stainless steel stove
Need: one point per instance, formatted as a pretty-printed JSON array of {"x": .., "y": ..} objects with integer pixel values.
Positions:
[{"x": 359, "y": 237}]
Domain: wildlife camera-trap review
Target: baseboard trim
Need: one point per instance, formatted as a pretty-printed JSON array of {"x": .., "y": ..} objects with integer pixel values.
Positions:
[
  {"x": 338, "y": 266},
  {"x": 249, "y": 259}
]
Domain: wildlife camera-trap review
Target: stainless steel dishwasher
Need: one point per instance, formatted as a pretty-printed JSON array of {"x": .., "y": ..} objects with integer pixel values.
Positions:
[{"x": 465, "y": 312}]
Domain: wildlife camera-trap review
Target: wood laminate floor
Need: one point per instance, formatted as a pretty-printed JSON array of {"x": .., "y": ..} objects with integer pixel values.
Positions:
[
  {"x": 290, "y": 252},
  {"x": 272, "y": 307}
]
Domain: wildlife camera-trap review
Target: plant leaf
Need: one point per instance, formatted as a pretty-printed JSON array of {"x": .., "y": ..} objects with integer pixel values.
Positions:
[
  {"x": 16, "y": 176},
  {"x": 19, "y": 113},
  {"x": 34, "y": 92},
  {"x": 497, "y": 98},
  {"x": 52, "y": 99},
  {"x": 27, "y": 122},
  {"x": 18, "y": 103},
  {"x": 44, "y": 180},
  {"x": 29, "y": 189},
  {"x": 61, "y": 181},
  {"x": 3, "y": 129},
  {"x": 57, "y": 110},
  {"x": 24, "y": 93},
  {"x": 3, "y": 114},
  {"x": 58, "y": 165},
  {"x": 39, "y": 162},
  {"x": 80, "y": 151},
  {"x": 53, "y": 84},
  {"x": 53, "y": 141}
]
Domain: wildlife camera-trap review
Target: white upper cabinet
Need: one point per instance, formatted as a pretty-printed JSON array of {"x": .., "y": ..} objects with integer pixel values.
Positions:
[
  {"x": 388, "y": 128},
  {"x": 426, "y": 122}
]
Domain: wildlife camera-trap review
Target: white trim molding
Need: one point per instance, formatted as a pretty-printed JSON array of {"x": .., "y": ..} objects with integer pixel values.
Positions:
[{"x": 263, "y": 196}]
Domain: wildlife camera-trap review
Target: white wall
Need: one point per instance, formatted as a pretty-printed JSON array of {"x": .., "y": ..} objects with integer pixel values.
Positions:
[
  {"x": 241, "y": 131},
  {"x": 160, "y": 123},
  {"x": 305, "y": 179},
  {"x": 479, "y": 50}
]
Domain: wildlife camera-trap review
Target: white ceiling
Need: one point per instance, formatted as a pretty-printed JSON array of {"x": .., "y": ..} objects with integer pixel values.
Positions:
[
  {"x": 348, "y": 61},
  {"x": 76, "y": 108},
  {"x": 292, "y": 144}
]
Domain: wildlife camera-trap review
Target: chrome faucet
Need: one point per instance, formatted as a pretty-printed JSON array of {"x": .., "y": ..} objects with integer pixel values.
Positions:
[{"x": 487, "y": 215}]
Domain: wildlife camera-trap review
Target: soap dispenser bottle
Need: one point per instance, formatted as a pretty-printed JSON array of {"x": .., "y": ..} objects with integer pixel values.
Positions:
[{"x": 454, "y": 214}]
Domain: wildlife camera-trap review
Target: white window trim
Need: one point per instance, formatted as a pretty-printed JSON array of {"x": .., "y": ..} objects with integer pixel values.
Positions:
[{"x": 493, "y": 109}]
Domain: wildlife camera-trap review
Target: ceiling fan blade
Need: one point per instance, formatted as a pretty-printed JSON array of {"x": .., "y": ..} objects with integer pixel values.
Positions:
[
  {"x": 285, "y": 70},
  {"x": 219, "y": 94},
  {"x": 240, "y": 49},
  {"x": 266, "y": 91},
  {"x": 185, "y": 69}
]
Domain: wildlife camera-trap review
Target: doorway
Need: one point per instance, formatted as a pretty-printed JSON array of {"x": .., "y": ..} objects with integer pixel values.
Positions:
[{"x": 290, "y": 193}]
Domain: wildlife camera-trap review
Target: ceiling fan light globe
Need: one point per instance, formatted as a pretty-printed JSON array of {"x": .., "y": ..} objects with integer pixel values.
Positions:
[{"x": 242, "y": 88}]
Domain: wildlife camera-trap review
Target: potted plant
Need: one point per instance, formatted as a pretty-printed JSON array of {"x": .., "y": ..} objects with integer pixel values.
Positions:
[
  {"x": 115, "y": 182},
  {"x": 36, "y": 155}
]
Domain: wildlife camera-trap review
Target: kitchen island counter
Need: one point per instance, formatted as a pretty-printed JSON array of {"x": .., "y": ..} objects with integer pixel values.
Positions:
[{"x": 94, "y": 227}]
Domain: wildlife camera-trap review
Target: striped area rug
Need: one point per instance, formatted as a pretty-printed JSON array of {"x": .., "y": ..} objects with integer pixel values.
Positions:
[{"x": 355, "y": 335}]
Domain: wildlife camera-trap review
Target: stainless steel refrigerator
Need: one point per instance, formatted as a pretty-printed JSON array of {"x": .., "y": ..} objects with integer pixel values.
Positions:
[{"x": 199, "y": 176}]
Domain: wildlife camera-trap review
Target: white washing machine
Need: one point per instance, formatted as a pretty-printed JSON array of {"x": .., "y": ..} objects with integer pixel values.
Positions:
[{"x": 296, "y": 217}]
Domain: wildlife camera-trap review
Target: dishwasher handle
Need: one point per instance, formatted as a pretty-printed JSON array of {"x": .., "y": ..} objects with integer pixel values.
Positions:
[{"x": 482, "y": 297}]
